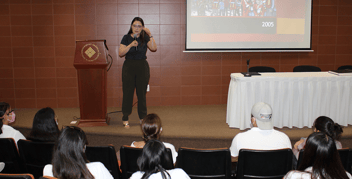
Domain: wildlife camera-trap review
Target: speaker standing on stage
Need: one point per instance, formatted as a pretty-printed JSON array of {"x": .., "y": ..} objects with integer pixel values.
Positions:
[{"x": 135, "y": 69}]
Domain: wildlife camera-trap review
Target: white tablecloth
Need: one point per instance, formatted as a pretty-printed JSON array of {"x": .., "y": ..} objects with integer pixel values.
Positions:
[{"x": 297, "y": 99}]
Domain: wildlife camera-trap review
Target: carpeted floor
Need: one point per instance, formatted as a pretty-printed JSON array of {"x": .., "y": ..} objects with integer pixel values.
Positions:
[{"x": 184, "y": 126}]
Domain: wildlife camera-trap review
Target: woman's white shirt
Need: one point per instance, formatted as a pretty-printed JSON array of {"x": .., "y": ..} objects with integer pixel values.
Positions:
[
  {"x": 176, "y": 173},
  {"x": 97, "y": 169},
  {"x": 10, "y": 132},
  {"x": 307, "y": 174}
]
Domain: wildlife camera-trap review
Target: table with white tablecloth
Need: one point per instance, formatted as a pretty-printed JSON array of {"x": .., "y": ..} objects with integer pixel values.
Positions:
[{"x": 297, "y": 99}]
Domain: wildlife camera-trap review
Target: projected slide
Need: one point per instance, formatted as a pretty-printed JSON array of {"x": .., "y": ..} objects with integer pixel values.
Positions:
[{"x": 248, "y": 24}]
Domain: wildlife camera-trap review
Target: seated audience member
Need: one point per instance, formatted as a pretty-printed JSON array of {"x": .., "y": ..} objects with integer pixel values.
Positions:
[
  {"x": 69, "y": 158},
  {"x": 151, "y": 128},
  {"x": 8, "y": 116},
  {"x": 262, "y": 136},
  {"x": 2, "y": 166},
  {"x": 321, "y": 124},
  {"x": 44, "y": 127},
  {"x": 320, "y": 160},
  {"x": 152, "y": 163}
]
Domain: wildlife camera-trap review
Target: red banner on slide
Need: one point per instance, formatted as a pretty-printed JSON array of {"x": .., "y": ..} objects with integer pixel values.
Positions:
[{"x": 246, "y": 38}]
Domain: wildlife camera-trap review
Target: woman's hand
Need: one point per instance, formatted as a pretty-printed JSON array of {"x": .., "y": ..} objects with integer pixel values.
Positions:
[
  {"x": 151, "y": 44},
  {"x": 124, "y": 49},
  {"x": 146, "y": 30},
  {"x": 298, "y": 143},
  {"x": 134, "y": 43}
]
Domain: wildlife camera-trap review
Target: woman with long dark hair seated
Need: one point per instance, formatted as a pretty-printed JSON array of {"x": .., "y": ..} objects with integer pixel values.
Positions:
[
  {"x": 320, "y": 160},
  {"x": 69, "y": 158},
  {"x": 153, "y": 163},
  {"x": 44, "y": 127},
  {"x": 321, "y": 124}
]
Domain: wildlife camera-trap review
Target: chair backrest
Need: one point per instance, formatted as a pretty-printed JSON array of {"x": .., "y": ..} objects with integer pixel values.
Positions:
[
  {"x": 261, "y": 69},
  {"x": 306, "y": 68},
  {"x": 345, "y": 67},
  {"x": 345, "y": 156},
  {"x": 16, "y": 176},
  {"x": 105, "y": 155},
  {"x": 129, "y": 156},
  {"x": 273, "y": 164},
  {"x": 47, "y": 177},
  {"x": 205, "y": 163},
  {"x": 10, "y": 156},
  {"x": 35, "y": 155}
]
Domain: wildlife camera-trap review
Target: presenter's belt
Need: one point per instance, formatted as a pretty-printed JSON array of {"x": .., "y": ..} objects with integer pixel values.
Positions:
[{"x": 136, "y": 59}]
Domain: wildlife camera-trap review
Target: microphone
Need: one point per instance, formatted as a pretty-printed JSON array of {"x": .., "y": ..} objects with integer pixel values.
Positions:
[
  {"x": 135, "y": 38},
  {"x": 247, "y": 74}
]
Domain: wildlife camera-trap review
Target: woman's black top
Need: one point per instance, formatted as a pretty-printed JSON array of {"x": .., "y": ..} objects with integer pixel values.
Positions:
[{"x": 140, "y": 53}]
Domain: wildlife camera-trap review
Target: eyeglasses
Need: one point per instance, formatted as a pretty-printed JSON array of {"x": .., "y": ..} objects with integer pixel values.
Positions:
[
  {"x": 10, "y": 113},
  {"x": 137, "y": 26}
]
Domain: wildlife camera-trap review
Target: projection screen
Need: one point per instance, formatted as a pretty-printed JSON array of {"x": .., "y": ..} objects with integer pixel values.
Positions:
[{"x": 248, "y": 25}]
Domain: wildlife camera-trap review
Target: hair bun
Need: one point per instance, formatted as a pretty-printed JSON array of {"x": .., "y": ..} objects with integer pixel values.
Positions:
[{"x": 338, "y": 130}]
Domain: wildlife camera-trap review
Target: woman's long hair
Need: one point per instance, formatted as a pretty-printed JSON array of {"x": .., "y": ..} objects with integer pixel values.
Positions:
[
  {"x": 151, "y": 127},
  {"x": 321, "y": 154},
  {"x": 143, "y": 34},
  {"x": 69, "y": 158},
  {"x": 44, "y": 126},
  {"x": 3, "y": 108},
  {"x": 154, "y": 159},
  {"x": 326, "y": 125}
]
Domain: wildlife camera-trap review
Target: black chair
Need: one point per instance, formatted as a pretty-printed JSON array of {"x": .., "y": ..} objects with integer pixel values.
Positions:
[
  {"x": 345, "y": 67},
  {"x": 273, "y": 164},
  {"x": 10, "y": 156},
  {"x": 306, "y": 68},
  {"x": 35, "y": 155},
  {"x": 129, "y": 156},
  {"x": 205, "y": 163},
  {"x": 16, "y": 176},
  {"x": 105, "y": 155},
  {"x": 350, "y": 162},
  {"x": 345, "y": 156},
  {"x": 261, "y": 69}
]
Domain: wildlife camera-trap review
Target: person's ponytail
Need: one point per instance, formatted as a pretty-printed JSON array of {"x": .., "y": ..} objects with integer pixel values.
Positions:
[
  {"x": 328, "y": 126},
  {"x": 337, "y": 131}
]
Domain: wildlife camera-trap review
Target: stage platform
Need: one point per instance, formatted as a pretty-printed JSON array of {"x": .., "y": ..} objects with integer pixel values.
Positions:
[{"x": 201, "y": 126}]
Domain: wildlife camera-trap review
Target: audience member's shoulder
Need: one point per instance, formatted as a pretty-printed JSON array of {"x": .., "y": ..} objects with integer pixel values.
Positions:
[
  {"x": 294, "y": 174},
  {"x": 244, "y": 133},
  {"x": 279, "y": 132},
  {"x": 137, "y": 175},
  {"x": 95, "y": 164},
  {"x": 178, "y": 173},
  {"x": 99, "y": 171},
  {"x": 168, "y": 145},
  {"x": 48, "y": 166},
  {"x": 349, "y": 175},
  {"x": 48, "y": 170}
]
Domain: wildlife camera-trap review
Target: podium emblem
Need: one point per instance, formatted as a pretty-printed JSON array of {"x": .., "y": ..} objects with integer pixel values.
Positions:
[{"x": 90, "y": 52}]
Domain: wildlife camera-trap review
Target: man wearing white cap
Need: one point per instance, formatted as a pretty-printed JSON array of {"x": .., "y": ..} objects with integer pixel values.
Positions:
[{"x": 262, "y": 136}]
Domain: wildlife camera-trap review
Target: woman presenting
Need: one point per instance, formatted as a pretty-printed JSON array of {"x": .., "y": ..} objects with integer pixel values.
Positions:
[{"x": 135, "y": 69}]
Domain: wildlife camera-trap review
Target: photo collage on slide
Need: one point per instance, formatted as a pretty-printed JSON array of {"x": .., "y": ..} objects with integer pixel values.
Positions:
[{"x": 235, "y": 8}]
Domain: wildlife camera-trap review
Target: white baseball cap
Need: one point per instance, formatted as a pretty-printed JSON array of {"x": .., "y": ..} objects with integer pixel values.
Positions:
[{"x": 262, "y": 112}]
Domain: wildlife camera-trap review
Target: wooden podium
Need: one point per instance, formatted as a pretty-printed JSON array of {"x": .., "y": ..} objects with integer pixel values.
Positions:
[{"x": 91, "y": 61}]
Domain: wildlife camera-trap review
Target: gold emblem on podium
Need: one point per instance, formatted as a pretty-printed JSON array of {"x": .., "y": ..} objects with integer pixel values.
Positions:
[{"x": 90, "y": 52}]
